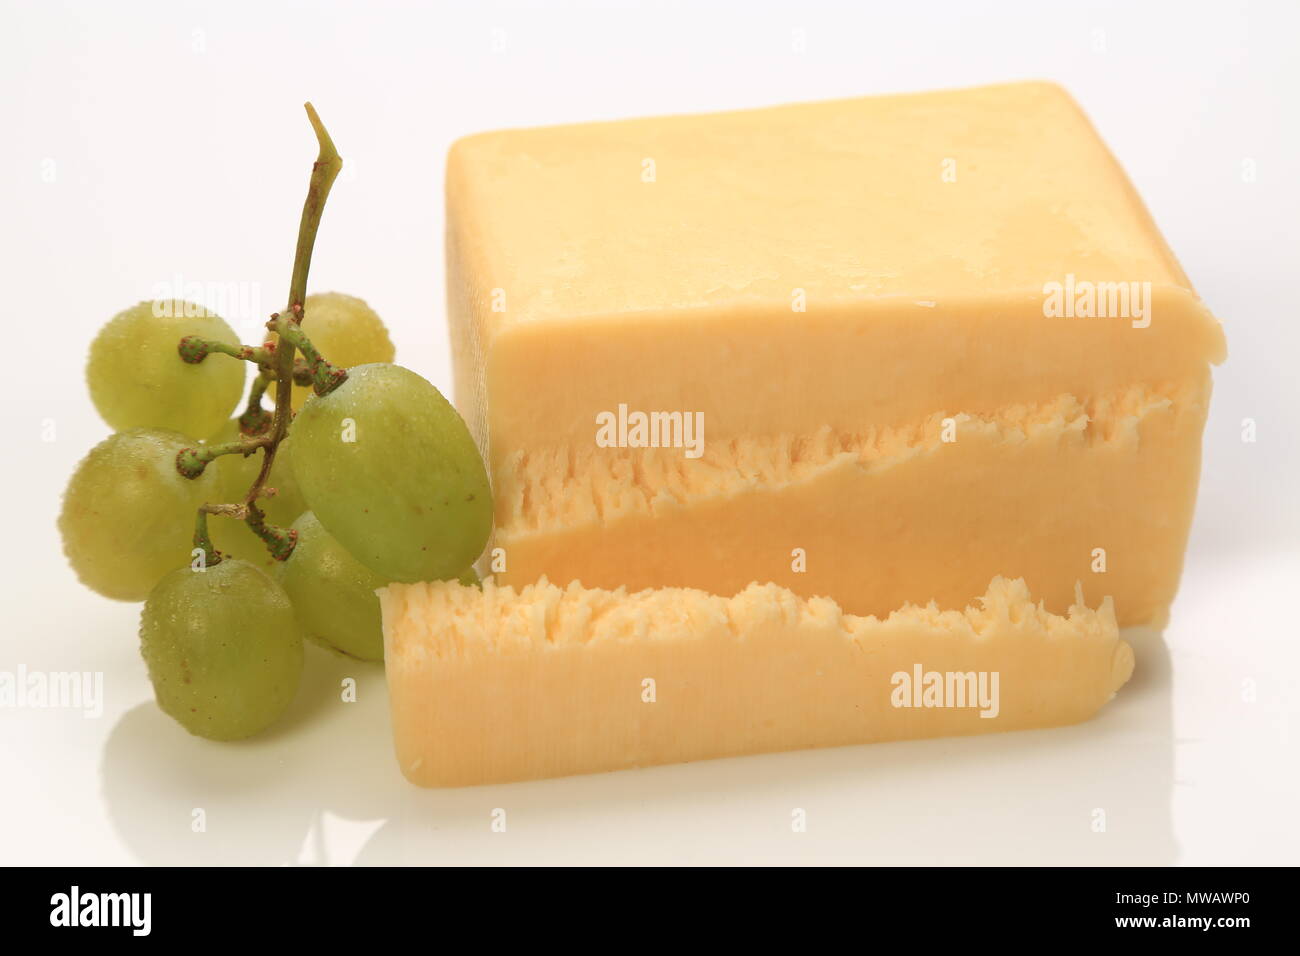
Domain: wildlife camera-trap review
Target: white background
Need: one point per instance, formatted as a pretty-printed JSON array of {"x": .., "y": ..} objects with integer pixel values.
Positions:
[{"x": 142, "y": 142}]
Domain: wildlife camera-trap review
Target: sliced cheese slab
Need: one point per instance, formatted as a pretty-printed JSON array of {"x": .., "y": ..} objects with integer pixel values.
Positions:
[
  {"x": 498, "y": 684},
  {"x": 925, "y": 339}
]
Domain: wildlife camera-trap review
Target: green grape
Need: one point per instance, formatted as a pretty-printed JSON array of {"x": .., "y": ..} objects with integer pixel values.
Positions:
[
  {"x": 333, "y": 593},
  {"x": 345, "y": 331},
  {"x": 128, "y": 515},
  {"x": 234, "y": 475},
  {"x": 391, "y": 471},
  {"x": 223, "y": 649},
  {"x": 138, "y": 380}
]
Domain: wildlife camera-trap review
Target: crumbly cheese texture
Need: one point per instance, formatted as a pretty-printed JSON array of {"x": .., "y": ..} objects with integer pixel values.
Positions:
[
  {"x": 498, "y": 684},
  {"x": 851, "y": 296}
]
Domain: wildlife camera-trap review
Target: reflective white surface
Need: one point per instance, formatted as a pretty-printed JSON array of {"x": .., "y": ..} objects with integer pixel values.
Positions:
[
  {"x": 1184, "y": 765},
  {"x": 177, "y": 147}
]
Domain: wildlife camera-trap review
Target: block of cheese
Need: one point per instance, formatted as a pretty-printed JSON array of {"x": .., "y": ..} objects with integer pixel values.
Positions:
[
  {"x": 498, "y": 684},
  {"x": 887, "y": 348}
]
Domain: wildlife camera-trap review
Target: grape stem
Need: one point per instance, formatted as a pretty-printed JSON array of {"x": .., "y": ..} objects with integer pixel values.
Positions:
[
  {"x": 321, "y": 375},
  {"x": 315, "y": 371},
  {"x": 191, "y": 462},
  {"x": 281, "y": 366},
  {"x": 302, "y": 375},
  {"x": 194, "y": 349},
  {"x": 211, "y": 555},
  {"x": 255, "y": 419}
]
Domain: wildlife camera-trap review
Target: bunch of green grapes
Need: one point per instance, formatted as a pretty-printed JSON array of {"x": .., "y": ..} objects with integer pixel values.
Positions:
[
  {"x": 385, "y": 458},
  {"x": 376, "y": 480}
]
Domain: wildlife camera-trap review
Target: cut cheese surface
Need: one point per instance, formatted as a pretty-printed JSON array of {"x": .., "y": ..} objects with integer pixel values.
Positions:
[
  {"x": 885, "y": 516},
  {"x": 854, "y": 301},
  {"x": 498, "y": 684}
]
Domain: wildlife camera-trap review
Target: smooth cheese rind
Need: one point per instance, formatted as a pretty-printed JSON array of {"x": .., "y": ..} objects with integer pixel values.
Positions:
[
  {"x": 1096, "y": 491},
  {"x": 850, "y": 193},
  {"x": 574, "y": 285},
  {"x": 496, "y": 685}
]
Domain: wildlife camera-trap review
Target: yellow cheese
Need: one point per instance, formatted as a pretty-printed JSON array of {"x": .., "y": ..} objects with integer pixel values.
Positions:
[
  {"x": 857, "y": 302},
  {"x": 884, "y": 517},
  {"x": 496, "y": 685}
]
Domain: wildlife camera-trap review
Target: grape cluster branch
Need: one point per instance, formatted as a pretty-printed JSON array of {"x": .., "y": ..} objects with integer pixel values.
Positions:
[{"x": 277, "y": 363}]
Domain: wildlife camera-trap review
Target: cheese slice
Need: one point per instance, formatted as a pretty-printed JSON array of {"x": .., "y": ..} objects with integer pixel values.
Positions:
[
  {"x": 880, "y": 315},
  {"x": 498, "y": 684}
]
